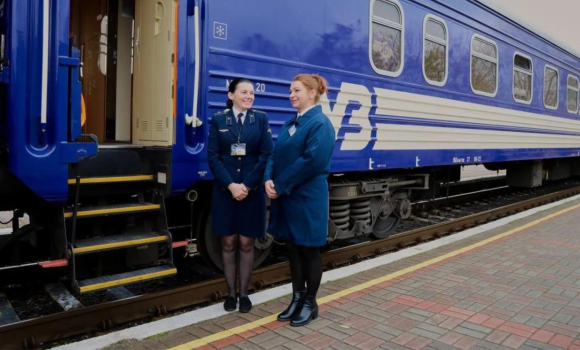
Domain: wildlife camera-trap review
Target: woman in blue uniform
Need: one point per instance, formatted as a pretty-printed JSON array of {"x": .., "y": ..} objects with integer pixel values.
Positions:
[
  {"x": 240, "y": 143},
  {"x": 296, "y": 181}
]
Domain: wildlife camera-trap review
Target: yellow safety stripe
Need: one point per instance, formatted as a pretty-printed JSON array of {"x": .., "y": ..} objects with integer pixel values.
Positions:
[
  {"x": 127, "y": 280},
  {"x": 98, "y": 180},
  {"x": 120, "y": 244},
  {"x": 324, "y": 300},
  {"x": 114, "y": 210}
]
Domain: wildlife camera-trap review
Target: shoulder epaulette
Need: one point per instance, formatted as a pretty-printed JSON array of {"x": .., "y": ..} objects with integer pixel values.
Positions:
[{"x": 225, "y": 111}]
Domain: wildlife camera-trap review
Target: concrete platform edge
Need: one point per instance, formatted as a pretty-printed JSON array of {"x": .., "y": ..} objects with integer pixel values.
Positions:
[{"x": 214, "y": 311}]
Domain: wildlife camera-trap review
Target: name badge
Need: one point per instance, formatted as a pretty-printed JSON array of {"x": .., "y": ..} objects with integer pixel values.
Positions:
[
  {"x": 238, "y": 149},
  {"x": 292, "y": 130}
]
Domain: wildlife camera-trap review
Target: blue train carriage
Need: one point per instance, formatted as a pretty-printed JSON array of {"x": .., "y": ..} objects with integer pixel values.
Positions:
[{"x": 418, "y": 89}]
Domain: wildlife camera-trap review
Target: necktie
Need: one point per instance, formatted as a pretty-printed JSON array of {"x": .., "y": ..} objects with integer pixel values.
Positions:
[{"x": 240, "y": 122}]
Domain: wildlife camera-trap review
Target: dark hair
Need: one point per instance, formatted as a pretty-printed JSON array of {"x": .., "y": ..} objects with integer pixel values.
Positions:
[
  {"x": 233, "y": 86},
  {"x": 313, "y": 82}
]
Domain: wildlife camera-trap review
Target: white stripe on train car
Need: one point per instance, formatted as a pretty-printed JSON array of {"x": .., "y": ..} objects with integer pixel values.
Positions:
[
  {"x": 414, "y": 137},
  {"x": 436, "y": 109}
]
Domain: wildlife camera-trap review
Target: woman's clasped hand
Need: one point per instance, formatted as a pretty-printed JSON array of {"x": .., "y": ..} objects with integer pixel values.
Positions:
[
  {"x": 239, "y": 191},
  {"x": 270, "y": 189}
]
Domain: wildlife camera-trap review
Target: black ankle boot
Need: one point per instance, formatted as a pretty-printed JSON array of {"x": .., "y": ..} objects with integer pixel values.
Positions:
[
  {"x": 297, "y": 299},
  {"x": 307, "y": 313}
]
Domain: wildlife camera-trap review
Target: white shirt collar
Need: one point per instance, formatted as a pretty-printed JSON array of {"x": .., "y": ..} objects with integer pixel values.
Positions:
[
  {"x": 238, "y": 112},
  {"x": 305, "y": 111}
]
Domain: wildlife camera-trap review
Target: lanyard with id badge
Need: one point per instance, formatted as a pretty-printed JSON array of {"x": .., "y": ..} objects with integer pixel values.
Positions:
[{"x": 238, "y": 148}]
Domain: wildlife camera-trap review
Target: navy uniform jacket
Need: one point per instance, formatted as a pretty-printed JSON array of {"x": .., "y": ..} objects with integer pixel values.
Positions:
[
  {"x": 299, "y": 168},
  {"x": 229, "y": 216}
]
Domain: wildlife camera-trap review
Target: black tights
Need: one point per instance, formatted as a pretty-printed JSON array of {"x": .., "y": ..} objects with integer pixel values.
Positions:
[
  {"x": 305, "y": 267},
  {"x": 245, "y": 265}
]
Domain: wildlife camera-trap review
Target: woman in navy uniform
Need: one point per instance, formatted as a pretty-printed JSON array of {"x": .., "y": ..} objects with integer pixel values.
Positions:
[
  {"x": 296, "y": 181},
  {"x": 240, "y": 143}
]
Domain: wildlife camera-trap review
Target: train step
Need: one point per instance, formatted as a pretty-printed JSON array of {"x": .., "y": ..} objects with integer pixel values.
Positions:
[
  {"x": 111, "y": 179},
  {"x": 99, "y": 244},
  {"x": 104, "y": 282},
  {"x": 116, "y": 161},
  {"x": 112, "y": 210}
]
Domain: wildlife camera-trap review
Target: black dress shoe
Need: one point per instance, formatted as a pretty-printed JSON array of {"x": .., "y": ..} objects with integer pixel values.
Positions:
[
  {"x": 307, "y": 313},
  {"x": 245, "y": 305},
  {"x": 230, "y": 304},
  {"x": 297, "y": 298}
]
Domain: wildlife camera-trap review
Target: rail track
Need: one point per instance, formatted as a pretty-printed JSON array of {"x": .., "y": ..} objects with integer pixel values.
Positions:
[{"x": 104, "y": 317}]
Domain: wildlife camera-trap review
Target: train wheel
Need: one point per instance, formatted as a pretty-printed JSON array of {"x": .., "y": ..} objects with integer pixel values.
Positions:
[
  {"x": 385, "y": 226},
  {"x": 210, "y": 245}
]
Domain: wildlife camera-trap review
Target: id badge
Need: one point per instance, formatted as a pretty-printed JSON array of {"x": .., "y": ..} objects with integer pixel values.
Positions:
[
  {"x": 292, "y": 130},
  {"x": 238, "y": 149}
]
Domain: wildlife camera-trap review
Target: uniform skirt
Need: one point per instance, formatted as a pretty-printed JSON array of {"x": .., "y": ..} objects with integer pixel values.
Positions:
[{"x": 246, "y": 217}]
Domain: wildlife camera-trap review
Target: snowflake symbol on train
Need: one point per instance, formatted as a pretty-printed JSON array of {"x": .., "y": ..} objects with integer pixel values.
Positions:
[{"x": 220, "y": 30}]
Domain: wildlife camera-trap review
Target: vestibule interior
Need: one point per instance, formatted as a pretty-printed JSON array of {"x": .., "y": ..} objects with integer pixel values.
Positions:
[{"x": 127, "y": 49}]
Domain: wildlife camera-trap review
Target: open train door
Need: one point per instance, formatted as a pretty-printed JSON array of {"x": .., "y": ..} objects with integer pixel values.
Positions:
[{"x": 154, "y": 71}]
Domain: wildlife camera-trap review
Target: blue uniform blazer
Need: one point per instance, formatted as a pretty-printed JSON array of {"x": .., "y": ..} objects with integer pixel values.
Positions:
[
  {"x": 229, "y": 216},
  {"x": 299, "y": 168}
]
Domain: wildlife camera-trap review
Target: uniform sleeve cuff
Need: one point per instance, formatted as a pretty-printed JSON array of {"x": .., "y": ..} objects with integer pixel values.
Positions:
[{"x": 282, "y": 190}]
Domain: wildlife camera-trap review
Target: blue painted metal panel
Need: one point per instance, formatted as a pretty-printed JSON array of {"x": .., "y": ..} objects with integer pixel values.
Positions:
[
  {"x": 187, "y": 138},
  {"x": 40, "y": 153},
  {"x": 32, "y": 151},
  {"x": 75, "y": 85},
  {"x": 331, "y": 38}
]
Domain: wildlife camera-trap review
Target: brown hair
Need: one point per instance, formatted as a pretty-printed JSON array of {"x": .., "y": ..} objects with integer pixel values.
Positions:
[
  {"x": 232, "y": 88},
  {"x": 313, "y": 82}
]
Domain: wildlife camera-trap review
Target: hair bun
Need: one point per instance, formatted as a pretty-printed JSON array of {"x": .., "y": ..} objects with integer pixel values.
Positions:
[
  {"x": 313, "y": 82},
  {"x": 322, "y": 84}
]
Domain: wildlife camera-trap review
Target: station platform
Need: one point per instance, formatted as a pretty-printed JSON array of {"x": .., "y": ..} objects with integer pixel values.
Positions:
[{"x": 511, "y": 284}]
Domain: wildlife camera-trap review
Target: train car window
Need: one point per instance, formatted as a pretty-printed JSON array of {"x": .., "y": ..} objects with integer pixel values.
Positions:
[
  {"x": 484, "y": 66},
  {"x": 435, "y": 44},
  {"x": 523, "y": 79},
  {"x": 572, "y": 95},
  {"x": 551, "y": 82},
  {"x": 387, "y": 37}
]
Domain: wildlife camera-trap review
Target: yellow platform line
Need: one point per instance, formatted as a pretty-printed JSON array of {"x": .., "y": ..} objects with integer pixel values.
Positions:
[
  {"x": 111, "y": 179},
  {"x": 252, "y": 325},
  {"x": 120, "y": 244},
  {"x": 113, "y": 210},
  {"x": 127, "y": 280}
]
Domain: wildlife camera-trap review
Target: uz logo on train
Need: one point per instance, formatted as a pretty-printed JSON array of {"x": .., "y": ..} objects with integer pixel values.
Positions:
[{"x": 357, "y": 141}]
